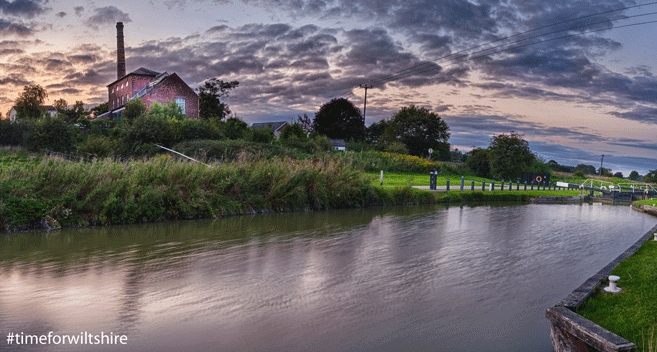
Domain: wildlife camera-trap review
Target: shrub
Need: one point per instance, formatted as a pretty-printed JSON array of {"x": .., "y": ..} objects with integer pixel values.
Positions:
[
  {"x": 52, "y": 134},
  {"x": 262, "y": 135},
  {"x": 10, "y": 133}
]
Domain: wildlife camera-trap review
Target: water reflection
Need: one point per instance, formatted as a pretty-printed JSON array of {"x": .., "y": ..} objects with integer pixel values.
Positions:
[{"x": 415, "y": 278}]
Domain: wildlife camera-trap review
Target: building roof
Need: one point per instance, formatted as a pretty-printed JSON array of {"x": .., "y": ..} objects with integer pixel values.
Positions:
[
  {"x": 274, "y": 126},
  {"x": 338, "y": 142},
  {"x": 152, "y": 85},
  {"x": 140, "y": 71}
]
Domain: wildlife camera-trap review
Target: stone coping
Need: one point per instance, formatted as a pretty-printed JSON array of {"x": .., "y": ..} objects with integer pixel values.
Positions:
[
  {"x": 580, "y": 294},
  {"x": 572, "y": 332},
  {"x": 587, "y": 331}
]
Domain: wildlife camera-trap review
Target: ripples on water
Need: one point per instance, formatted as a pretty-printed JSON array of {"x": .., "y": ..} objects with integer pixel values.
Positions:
[{"x": 394, "y": 279}]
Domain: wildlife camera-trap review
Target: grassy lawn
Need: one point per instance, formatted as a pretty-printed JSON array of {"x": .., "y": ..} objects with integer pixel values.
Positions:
[
  {"x": 632, "y": 313},
  {"x": 403, "y": 179},
  {"x": 652, "y": 202}
]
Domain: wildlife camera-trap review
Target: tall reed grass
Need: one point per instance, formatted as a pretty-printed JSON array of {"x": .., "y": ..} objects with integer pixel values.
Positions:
[{"x": 56, "y": 192}]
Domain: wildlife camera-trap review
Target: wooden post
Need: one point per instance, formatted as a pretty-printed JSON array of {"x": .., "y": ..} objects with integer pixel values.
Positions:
[
  {"x": 381, "y": 177},
  {"x": 462, "y": 182},
  {"x": 472, "y": 187},
  {"x": 447, "y": 185}
]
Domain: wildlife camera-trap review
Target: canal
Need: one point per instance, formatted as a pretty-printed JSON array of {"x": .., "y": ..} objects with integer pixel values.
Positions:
[{"x": 427, "y": 278}]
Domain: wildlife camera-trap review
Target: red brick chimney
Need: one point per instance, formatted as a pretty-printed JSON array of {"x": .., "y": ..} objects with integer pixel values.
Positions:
[{"x": 120, "y": 51}]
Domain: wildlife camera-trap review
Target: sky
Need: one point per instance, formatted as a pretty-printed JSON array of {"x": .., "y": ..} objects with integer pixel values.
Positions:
[{"x": 576, "y": 78}]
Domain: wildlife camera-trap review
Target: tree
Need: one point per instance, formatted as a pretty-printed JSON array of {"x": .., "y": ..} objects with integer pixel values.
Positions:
[
  {"x": 262, "y": 135},
  {"x": 586, "y": 169},
  {"x": 339, "y": 119},
  {"x": 100, "y": 109},
  {"x": 650, "y": 177},
  {"x": 479, "y": 162},
  {"x": 294, "y": 131},
  {"x": 634, "y": 175},
  {"x": 133, "y": 109},
  {"x": 419, "y": 129},
  {"x": 29, "y": 103},
  {"x": 375, "y": 131},
  {"x": 234, "y": 128},
  {"x": 509, "y": 156},
  {"x": 75, "y": 113},
  {"x": 618, "y": 174},
  {"x": 209, "y": 98},
  {"x": 305, "y": 122}
]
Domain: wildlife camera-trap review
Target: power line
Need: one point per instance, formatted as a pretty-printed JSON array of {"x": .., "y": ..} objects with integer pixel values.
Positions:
[
  {"x": 529, "y": 31},
  {"x": 392, "y": 77},
  {"x": 432, "y": 68},
  {"x": 424, "y": 67}
]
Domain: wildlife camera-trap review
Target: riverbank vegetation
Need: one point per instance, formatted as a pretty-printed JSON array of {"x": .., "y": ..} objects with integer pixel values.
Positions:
[
  {"x": 632, "y": 313},
  {"x": 47, "y": 192}
]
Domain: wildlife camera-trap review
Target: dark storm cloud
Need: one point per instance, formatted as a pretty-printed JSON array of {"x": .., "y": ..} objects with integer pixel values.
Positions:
[
  {"x": 90, "y": 77},
  {"x": 23, "y": 8},
  {"x": 5, "y": 52},
  {"x": 108, "y": 15},
  {"x": 8, "y": 28},
  {"x": 15, "y": 79},
  {"x": 78, "y": 10},
  {"x": 641, "y": 113}
]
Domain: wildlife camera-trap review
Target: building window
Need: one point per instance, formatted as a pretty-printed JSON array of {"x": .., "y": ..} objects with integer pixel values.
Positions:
[{"x": 181, "y": 103}]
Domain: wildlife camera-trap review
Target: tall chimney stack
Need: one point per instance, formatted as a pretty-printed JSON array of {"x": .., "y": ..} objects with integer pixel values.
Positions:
[{"x": 120, "y": 51}]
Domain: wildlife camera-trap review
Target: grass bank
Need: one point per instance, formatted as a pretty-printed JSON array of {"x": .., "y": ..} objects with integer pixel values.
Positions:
[
  {"x": 44, "y": 192},
  {"x": 632, "y": 313}
]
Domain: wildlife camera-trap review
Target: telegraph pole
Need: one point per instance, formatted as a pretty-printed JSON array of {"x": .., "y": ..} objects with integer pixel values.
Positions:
[
  {"x": 365, "y": 102},
  {"x": 601, "y": 160}
]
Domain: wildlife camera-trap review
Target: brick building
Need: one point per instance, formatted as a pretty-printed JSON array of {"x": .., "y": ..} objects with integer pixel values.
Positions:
[{"x": 148, "y": 85}]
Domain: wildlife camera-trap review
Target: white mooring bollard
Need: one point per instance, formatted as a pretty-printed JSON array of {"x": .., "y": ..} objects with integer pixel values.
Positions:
[
  {"x": 655, "y": 236},
  {"x": 613, "y": 287}
]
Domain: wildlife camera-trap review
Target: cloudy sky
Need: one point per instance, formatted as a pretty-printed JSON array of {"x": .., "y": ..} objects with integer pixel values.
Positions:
[{"x": 575, "y": 77}]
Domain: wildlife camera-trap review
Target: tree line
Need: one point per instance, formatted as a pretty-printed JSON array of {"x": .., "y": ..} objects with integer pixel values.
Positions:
[{"x": 411, "y": 130}]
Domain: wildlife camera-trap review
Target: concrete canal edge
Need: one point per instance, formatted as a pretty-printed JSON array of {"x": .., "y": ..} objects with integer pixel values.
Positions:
[
  {"x": 570, "y": 332},
  {"x": 649, "y": 209},
  {"x": 560, "y": 199}
]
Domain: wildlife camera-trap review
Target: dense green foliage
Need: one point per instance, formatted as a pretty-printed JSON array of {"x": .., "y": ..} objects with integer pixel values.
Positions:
[
  {"x": 294, "y": 131},
  {"x": 479, "y": 162},
  {"x": 419, "y": 129},
  {"x": 412, "y": 130},
  {"x": 210, "y": 96},
  {"x": 133, "y": 109},
  {"x": 650, "y": 177},
  {"x": 509, "y": 156},
  {"x": 634, "y": 175},
  {"x": 48, "y": 192},
  {"x": 29, "y": 103},
  {"x": 339, "y": 119}
]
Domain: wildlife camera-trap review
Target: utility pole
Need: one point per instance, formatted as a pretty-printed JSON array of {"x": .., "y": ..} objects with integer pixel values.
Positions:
[
  {"x": 601, "y": 160},
  {"x": 365, "y": 101}
]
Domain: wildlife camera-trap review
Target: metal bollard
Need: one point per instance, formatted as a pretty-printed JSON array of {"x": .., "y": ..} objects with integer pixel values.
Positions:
[
  {"x": 502, "y": 187},
  {"x": 462, "y": 182},
  {"x": 483, "y": 186},
  {"x": 447, "y": 185},
  {"x": 472, "y": 186},
  {"x": 433, "y": 178}
]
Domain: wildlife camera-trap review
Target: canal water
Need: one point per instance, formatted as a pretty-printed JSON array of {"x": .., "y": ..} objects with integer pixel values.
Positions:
[{"x": 430, "y": 278}]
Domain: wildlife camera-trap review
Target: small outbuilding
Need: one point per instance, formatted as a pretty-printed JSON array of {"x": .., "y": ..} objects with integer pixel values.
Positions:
[{"x": 276, "y": 127}]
